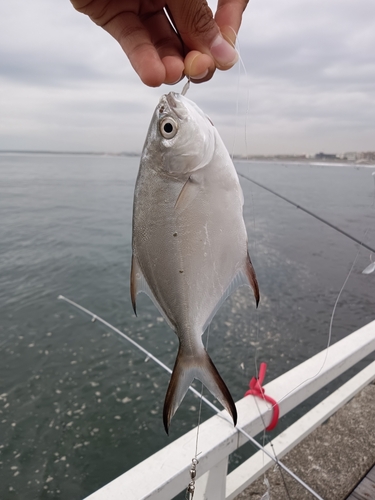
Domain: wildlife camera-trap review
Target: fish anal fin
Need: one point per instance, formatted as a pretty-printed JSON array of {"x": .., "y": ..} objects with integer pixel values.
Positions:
[
  {"x": 187, "y": 194},
  {"x": 138, "y": 284},
  {"x": 188, "y": 367},
  {"x": 251, "y": 276}
]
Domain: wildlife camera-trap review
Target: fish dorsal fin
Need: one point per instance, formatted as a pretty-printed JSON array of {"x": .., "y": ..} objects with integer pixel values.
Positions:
[
  {"x": 244, "y": 277},
  {"x": 187, "y": 194},
  {"x": 138, "y": 284}
]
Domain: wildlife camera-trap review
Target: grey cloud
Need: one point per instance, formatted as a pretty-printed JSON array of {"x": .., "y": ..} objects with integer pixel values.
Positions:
[
  {"x": 315, "y": 44},
  {"x": 44, "y": 69},
  {"x": 310, "y": 82}
]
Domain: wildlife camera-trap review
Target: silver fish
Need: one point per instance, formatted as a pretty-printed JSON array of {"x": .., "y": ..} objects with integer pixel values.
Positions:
[{"x": 189, "y": 238}]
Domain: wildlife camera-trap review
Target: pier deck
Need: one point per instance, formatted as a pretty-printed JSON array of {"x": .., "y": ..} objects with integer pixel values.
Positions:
[{"x": 332, "y": 459}]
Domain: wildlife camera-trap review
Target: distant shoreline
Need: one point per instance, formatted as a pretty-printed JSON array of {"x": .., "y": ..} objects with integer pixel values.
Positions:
[
  {"x": 64, "y": 153},
  {"x": 318, "y": 161}
]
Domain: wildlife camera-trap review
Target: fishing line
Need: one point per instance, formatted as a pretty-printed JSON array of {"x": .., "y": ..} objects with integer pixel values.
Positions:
[
  {"x": 199, "y": 421},
  {"x": 194, "y": 462},
  {"x": 246, "y": 371},
  {"x": 236, "y": 46},
  {"x": 201, "y": 398},
  {"x": 242, "y": 64},
  {"x": 95, "y": 317},
  {"x": 256, "y": 354},
  {"x": 264, "y": 437},
  {"x": 362, "y": 243}
]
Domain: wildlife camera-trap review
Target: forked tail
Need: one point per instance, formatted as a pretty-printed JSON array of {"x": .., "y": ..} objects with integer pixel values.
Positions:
[{"x": 188, "y": 367}]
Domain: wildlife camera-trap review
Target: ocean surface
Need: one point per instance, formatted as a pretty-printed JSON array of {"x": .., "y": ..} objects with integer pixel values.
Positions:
[{"x": 78, "y": 405}]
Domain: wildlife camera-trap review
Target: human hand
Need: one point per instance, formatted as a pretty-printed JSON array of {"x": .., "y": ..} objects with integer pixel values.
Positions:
[{"x": 159, "y": 54}]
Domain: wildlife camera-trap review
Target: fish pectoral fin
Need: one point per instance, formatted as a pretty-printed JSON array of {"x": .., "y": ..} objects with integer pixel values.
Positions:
[
  {"x": 188, "y": 193},
  {"x": 186, "y": 369},
  {"x": 251, "y": 276}
]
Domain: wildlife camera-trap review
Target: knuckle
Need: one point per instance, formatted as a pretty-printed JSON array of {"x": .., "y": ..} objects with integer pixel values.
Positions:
[
  {"x": 200, "y": 21},
  {"x": 84, "y": 6},
  {"x": 164, "y": 42},
  {"x": 96, "y": 10},
  {"x": 130, "y": 36}
]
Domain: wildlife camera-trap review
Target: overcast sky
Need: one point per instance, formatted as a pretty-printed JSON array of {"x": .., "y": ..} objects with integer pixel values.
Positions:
[{"x": 308, "y": 83}]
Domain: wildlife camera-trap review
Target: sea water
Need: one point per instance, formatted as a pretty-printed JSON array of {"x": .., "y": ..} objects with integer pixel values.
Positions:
[{"x": 79, "y": 406}]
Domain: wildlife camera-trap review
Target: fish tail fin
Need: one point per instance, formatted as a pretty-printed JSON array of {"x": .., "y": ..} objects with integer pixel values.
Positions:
[{"x": 188, "y": 367}]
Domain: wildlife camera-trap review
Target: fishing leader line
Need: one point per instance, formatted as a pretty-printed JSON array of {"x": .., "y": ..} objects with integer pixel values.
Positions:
[
  {"x": 265, "y": 438},
  {"x": 95, "y": 317},
  {"x": 194, "y": 461}
]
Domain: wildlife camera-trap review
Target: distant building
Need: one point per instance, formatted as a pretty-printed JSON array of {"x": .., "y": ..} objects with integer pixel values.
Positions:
[
  {"x": 325, "y": 156},
  {"x": 367, "y": 156},
  {"x": 363, "y": 157},
  {"x": 351, "y": 156}
]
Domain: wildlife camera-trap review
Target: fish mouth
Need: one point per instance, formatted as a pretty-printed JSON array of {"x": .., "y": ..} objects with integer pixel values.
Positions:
[
  {"x": 175, "y": 104},
  {"x": 171, "y": 99}
]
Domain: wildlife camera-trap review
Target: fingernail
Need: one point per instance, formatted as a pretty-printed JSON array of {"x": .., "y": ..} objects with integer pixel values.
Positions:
[
  {"x": 223, "y": 52},
  {"x": 200, "y": 76},
  {"x": 177, "y": 81}
]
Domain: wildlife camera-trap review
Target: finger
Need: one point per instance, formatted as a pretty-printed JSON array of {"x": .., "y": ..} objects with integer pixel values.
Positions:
[
  {"x": 126, "y": 27},
  {"x": 199, "y": 67},
  {"x": 152, "y": 46},
  {"x": 174, "y": 69},
  {"x": 229, "y": 14},
  {"x": 199, "y": 31},
  {"x": 167, "y": 44},
  {"x": 136, "y": 42}
]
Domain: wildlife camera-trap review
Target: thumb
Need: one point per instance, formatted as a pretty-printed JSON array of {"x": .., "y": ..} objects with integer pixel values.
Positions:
[{"x": 195, "y": 24}]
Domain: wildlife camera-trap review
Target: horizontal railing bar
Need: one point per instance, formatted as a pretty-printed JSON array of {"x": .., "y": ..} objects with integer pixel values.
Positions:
[
  {"x": 254, "y": 467},
  {"x": 166, "y": 473}
]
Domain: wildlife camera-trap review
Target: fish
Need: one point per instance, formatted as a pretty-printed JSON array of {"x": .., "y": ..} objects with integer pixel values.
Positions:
[{"x": 189, "y": 240}]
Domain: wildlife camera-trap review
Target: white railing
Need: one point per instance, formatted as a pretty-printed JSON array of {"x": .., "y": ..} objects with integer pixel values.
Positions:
[{"x": 166, "y": 473}]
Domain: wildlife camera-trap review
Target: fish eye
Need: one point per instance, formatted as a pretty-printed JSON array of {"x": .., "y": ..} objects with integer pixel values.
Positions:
[{"x": 168, "y": 128}]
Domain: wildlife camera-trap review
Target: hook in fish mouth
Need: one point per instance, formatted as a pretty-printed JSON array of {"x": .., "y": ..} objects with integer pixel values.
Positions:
[{"x": 172, "y": 103}]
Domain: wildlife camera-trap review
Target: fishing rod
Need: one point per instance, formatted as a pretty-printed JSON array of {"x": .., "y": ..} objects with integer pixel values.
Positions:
[
  {"x": 364, "y": 245},
  {"x": 95, "y": 317}
]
